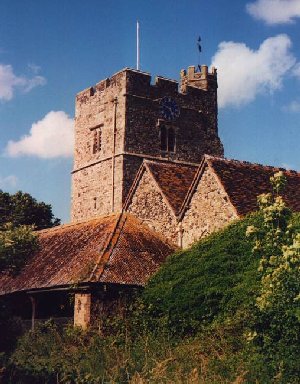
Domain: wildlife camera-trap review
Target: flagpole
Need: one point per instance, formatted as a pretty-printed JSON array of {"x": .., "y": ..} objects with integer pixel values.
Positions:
[{"x": 137, "y": 45}]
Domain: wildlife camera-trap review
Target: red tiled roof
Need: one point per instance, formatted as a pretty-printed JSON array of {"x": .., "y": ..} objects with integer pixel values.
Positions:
[
  {"x": 174, "y": 180},
  {"x": 112, "y": 249},
  {"x": 244, "y": 181},
  {"x": 137, "y": 254}
]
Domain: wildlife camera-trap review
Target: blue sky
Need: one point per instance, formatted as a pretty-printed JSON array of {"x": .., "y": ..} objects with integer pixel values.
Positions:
[{"x": 50, "y": 50}]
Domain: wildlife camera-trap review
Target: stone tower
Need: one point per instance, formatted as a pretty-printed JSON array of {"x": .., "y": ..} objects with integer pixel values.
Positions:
[{"x": 125, "y": 119}]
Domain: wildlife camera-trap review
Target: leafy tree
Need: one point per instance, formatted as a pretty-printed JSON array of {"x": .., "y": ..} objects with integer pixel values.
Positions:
[
  {"x": 22, "y": 209},
  {"x": 20, "y": 213},
  {"x": 16, "y": 245},
  {"x": 277, "y": 244}
]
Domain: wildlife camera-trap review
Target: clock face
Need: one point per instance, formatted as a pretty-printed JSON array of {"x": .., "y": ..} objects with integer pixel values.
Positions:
[{"x": 169, "y": 110}]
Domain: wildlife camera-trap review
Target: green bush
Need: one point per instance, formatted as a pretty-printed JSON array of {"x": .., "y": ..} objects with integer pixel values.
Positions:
[
  {"x": 72, "y": 356},
  {"x": 212, "y": 280},
  {"x": 276, "y": 331}
]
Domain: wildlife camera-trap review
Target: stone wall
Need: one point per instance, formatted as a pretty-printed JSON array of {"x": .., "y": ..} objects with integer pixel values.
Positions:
[
  {"x": 151, "y": 208},
  {"x": 100, "y": 110},
  {"x": 95, "y": 109},
  {"x": 82, "y": 310},
  {"x": 92, "y": 190},
  {"x": 209, "y": 210}
]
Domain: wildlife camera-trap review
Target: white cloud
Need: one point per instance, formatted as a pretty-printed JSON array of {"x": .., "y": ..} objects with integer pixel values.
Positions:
[
  {"x": 275, "y": 11},
  {"x": 9, "y": 82},
  {"x": 296, "y": 70},
  {"x": 244, "y": 73},
  {"x": 34, "y": 68},
  {"x": 8, "y": 182},
  {"x": 51, "y": 137},
  {"x": 293, "y": 106}
]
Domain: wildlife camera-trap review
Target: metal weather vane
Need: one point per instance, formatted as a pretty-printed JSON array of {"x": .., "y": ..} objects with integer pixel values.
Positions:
[{"x": 199, "y": 49}]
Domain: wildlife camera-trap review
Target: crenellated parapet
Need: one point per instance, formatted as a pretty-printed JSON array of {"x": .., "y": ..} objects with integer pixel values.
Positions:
[
  {"x": 201, "y": 78},
  {"x": 140, "y": 83}
]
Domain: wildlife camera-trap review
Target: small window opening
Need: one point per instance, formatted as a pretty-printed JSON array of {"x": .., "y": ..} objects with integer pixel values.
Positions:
[
  {"x": 167, "y": 139},
  {"x": 163, "y": 138},
  {"x": 97, "y": 140},
  {"x": 171, "y": 140},
  {"x": 95, "y": 202}
]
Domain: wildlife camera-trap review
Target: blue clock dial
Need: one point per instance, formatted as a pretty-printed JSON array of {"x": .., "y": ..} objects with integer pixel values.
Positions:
[{"x": 169, "y": 110}]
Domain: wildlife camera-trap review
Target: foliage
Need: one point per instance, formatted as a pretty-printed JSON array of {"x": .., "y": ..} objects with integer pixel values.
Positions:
[
  {"x": 73, "y": 356},
  {"x": 214, "y": 279},
  {"x": 16, "y": 245},
  {"x": 22, "y": 209},
  {"x": 277, "y": 243},
  {"x": 225, "y": 310},
  {"x": 19, "y": 215}
]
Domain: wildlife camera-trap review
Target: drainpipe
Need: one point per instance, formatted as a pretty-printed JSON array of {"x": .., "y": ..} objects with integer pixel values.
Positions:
[{"x": 115, "y": 101}]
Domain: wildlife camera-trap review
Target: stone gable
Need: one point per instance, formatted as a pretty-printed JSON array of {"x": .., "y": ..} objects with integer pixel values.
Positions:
[
  {"x": 209, "y": 209},
  {"x": 205, "y": 206},
  {"x": 150, "y": 206}
]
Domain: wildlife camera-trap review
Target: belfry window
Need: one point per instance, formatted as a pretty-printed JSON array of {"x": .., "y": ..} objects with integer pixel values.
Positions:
[
  {"x": 171, "y": 139},
  {"x": 163, "y": 138},
  {"x": 167, "y": 138}
]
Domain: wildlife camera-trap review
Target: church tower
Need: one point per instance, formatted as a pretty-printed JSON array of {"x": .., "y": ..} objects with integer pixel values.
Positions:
[{"x": 125, "y": 119}]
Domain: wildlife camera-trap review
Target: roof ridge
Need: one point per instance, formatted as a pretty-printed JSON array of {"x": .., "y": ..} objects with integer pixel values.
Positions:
[
  {"x": 249, "y": 163},
  {"x": 192, "y": 187},
  {"x": 134, "y": 185},
  {"x": 75, "y": 223},
  {"x": 169, "y": 162},
  {"x": 108, "y": 247}
]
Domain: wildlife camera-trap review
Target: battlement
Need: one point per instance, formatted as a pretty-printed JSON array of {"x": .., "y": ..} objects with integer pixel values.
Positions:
[
  {"x": 166, "y": 84},
  {"x": 133, "y": 81},
  {"x": 202, "y": 78},
  {"x": 100, "y": 86}
]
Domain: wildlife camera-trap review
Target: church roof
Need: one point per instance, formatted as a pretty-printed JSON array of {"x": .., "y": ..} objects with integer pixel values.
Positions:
[
  {"x": 112, "y": 249},
  {"x": 244, "y": 181},
  {"x": 174, "y": 180}
]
